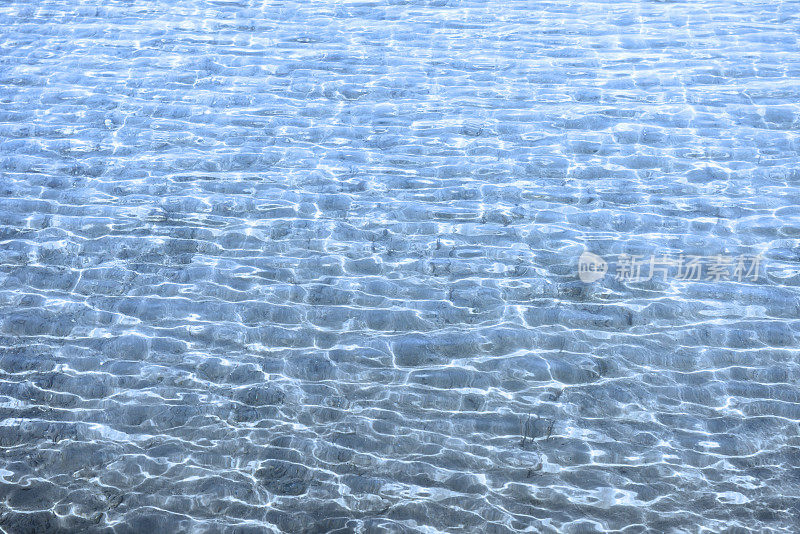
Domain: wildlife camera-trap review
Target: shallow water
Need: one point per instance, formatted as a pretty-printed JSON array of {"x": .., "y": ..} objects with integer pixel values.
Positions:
[{"x": 312, "y": 266}]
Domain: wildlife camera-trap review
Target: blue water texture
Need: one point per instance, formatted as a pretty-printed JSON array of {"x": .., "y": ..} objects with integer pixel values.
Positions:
[{"x": 311, "y": 266}]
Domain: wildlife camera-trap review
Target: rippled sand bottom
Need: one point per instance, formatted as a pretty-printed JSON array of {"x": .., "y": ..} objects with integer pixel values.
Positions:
[{"x": 312, "y": 266}]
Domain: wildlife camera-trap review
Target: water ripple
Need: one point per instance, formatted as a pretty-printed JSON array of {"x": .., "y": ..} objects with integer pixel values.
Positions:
[{"x": 312, "y": 267}]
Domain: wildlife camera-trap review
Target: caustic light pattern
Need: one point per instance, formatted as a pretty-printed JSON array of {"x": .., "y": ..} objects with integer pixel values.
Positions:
[{"x": 312, "y": 267}]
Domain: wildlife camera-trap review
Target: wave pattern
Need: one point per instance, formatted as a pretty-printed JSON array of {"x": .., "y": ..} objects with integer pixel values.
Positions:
[{"x": 310, "y": 266}]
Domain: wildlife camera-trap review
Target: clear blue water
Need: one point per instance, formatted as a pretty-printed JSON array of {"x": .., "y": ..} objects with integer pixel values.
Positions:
[{"x": 312, "y": 266}]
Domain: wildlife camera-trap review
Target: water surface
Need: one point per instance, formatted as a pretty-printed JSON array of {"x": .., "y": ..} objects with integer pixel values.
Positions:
[{"x": 311, "y": 266}]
